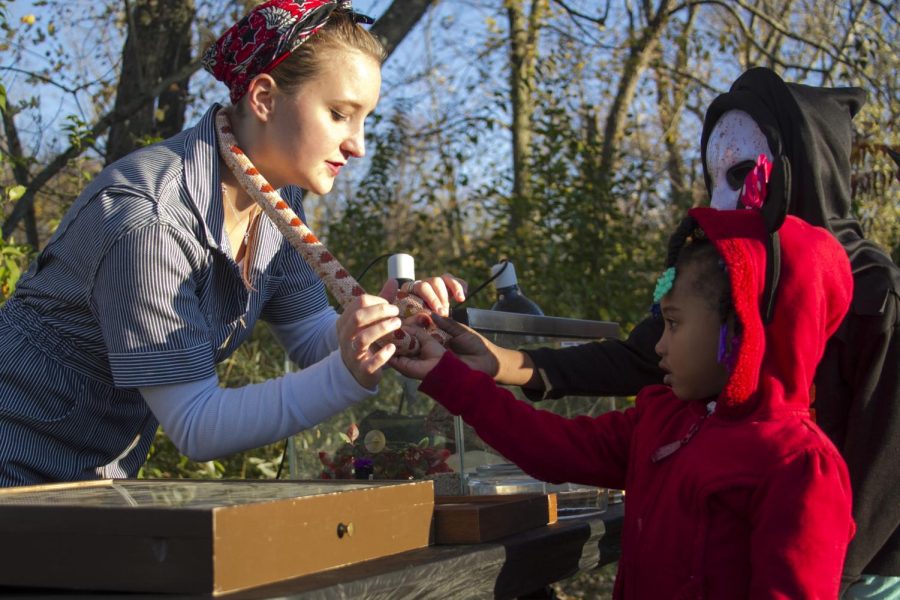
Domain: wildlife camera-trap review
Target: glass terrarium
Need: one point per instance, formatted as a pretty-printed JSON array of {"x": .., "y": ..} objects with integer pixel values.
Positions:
[{"x": 403, "y": 434}]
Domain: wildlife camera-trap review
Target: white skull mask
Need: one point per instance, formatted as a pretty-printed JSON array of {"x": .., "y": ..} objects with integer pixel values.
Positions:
[{"x": 731, "y": 152}]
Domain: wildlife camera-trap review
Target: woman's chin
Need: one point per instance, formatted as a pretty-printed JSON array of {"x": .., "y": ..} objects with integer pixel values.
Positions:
[{"x": 319, "y": 188}]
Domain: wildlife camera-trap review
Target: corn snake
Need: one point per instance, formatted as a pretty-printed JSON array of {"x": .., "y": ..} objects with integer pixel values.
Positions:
[{"x": 337, "y": 280}]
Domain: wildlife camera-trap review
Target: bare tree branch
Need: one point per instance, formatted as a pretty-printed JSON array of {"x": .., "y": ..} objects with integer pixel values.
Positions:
[
  {"x": 855, "y": 16},
  {"x": 730, "y": 8},
  {"x": 57, "y": 164},
  {"x": 639, "y": 55},
  {"x": 398, "y": 20},
  {"x": 690, "y": 76},
  {"x": 48, "y": 80},
  {"x": 574, "y": 13},
  {"x": 391, "y": 28},
  {"x": 888, "y": 10}
]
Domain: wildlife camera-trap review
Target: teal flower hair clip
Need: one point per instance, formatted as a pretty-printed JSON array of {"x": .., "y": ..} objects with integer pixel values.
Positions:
[{"x": 663, "y": 286}]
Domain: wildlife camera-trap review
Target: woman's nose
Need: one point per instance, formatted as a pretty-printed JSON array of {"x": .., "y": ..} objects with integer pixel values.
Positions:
[{"x": 355, "y": 145}]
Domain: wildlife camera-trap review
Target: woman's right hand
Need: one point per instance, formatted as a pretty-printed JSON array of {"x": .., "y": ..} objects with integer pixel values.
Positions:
[{"x": 364, "y": 321}]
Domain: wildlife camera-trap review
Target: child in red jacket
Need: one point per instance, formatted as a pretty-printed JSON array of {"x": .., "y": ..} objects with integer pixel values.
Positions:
[{"x": 732, "y": 490}]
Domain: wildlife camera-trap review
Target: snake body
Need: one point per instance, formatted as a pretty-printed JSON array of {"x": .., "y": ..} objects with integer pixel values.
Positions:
[{"x": 336, "y": 278}]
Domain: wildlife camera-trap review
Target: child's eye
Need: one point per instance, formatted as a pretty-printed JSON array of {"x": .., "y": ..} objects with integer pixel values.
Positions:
[
  {"x": 670, "y": 324},
  {"x": 338, "y": 116}
]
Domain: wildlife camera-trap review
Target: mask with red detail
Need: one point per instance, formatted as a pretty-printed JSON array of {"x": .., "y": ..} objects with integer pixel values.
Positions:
[{"x": 753, "y": 194}]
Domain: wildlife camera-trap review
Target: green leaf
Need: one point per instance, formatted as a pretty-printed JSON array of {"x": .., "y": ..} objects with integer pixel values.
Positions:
[
  {"x": 15, "y": 192},
  {"x": 13, "y": 267}
]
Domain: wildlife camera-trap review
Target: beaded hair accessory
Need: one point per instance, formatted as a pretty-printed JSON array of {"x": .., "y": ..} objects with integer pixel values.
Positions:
[
  {"x": 663, "y": 286},
  {"x": 727, "y": 354}
]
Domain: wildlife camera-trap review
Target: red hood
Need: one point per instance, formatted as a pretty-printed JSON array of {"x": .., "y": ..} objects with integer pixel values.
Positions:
[{"x": 776, "y": 363}]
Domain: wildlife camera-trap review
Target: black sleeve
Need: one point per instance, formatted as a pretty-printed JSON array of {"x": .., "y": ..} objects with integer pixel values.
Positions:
[
  {"x": 862, "y": 417},
  {"x": 605, "y": 368}
]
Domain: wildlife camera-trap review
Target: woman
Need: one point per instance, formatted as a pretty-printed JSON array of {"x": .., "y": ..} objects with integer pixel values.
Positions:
[{"x": 164, "y": 264}]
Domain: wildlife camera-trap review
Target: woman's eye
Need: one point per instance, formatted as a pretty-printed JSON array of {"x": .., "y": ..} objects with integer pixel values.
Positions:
[
  {"x": 738, "y": 173},
  {"x": 338, "y": 116},
  {"x": 670, "y": 323}
]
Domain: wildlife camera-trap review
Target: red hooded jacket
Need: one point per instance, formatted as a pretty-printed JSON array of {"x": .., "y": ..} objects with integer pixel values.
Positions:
[{"x": 757, "y": 503}]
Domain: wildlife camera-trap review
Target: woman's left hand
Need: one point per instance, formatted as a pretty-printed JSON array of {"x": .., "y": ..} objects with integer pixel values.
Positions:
[
  {"x": 362, "y": 323},
  {"x": 436, "y": 292}
]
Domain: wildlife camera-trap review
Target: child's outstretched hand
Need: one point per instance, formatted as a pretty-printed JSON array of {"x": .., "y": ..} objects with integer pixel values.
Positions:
[
  {"x": 418, "y": 367},
  {"x": 472, "y": 348}
]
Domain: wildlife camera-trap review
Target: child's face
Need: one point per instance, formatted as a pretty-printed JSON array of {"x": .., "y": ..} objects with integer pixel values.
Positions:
[{"x": 690, "y": 342}]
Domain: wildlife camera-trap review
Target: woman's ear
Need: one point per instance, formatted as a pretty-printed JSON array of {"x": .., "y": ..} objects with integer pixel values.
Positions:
[{"x": 260, "y": 97}]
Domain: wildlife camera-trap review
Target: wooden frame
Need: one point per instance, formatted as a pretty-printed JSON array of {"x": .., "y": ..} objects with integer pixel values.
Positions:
[
  {"x": 477, "y": 519},
  {"x": 210, "y": 537}
]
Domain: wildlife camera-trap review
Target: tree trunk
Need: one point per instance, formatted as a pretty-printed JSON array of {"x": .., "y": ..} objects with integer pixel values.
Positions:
[
  {"x": 523, "y": 39},
  {"x": 20, "y": 172},
  {"x": 398, "y": 20},
  {"x": 158, "y": 44},
  {"x": 671, "y": 96},
  {"x": 639, "y": 55}
]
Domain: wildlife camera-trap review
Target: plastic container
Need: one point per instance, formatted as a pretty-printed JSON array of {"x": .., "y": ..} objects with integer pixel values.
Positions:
[
  {"x": 572, "y": 500},
  {"x": 503, "y": 478},
  {"x": 576, "y": 500}
]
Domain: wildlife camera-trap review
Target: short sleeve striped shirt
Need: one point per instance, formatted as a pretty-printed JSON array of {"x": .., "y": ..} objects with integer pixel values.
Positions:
[{"x": 135, "y": 288}]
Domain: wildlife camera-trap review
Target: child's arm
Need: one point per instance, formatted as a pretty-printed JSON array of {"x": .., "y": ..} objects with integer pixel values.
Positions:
[
  {"x": 801, "y": 528},
  {"x": 546, "y": 445}
]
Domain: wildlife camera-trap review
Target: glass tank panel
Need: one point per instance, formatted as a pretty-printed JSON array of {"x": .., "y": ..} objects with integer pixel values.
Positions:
[{"x": 403, "y": 434}]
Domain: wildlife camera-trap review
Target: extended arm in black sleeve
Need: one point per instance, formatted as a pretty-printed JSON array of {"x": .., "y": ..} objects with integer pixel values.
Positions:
[{"x": 605, "y": 368}]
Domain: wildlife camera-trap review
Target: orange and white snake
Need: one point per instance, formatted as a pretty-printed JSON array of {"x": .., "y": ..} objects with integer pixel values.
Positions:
[{"x": 337, "y": 280}]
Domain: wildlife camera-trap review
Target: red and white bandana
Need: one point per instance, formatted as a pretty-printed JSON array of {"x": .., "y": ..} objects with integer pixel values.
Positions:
[{"x": 265, "y": 37}]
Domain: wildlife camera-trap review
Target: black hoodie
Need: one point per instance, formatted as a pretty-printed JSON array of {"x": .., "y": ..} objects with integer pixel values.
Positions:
[{"x": 857, "y": 384}]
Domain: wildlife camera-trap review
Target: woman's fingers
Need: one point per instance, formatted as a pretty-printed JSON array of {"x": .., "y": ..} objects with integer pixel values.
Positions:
[
  {"x": 364, "y": 338},
  {"x": 363, "y": 322},
  {"x": 389, "y": 290},
  {"x": 456, "y": 287},
  {"x": 433, "y": 291},
  {"x": 437, "y": 292},
  {"x": 364, "y": 311},
  {"x": 374, "y": 359}
]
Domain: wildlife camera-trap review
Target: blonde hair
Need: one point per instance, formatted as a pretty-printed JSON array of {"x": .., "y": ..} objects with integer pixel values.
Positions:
[{"x": 340, "y": 32}]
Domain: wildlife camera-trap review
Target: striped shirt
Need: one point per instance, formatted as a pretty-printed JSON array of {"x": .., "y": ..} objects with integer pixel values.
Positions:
[{"x": 136, "y": 288}]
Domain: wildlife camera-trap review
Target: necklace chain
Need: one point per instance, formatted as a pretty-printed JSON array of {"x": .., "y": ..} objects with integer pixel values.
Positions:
[{"x": 239, "y": 219}]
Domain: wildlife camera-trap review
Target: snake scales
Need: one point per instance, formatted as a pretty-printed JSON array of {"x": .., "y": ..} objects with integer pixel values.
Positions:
[{"x": 337, "y": 280}]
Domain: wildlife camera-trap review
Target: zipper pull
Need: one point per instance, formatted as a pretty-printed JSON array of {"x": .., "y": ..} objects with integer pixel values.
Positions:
[
  {"x": 666, "y": 451},
  {"x": 669, "y": 449}
]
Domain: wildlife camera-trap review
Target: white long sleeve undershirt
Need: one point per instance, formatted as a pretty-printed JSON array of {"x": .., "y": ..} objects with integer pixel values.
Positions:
[{"x": 206, "y": 421}]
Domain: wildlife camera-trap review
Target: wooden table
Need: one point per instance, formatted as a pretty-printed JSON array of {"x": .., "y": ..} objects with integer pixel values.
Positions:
[{"x": 507, "y": 568}]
